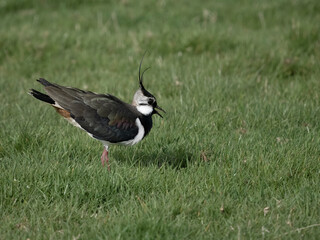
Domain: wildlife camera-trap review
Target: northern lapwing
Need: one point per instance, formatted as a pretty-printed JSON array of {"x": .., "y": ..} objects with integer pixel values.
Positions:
[{"x": 103, "y": 116}]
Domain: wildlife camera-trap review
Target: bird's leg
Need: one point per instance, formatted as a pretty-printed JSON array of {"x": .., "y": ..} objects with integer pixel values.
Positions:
[
  {"x": 105, "y": 158},
  {"x": 102, "y": 157}
]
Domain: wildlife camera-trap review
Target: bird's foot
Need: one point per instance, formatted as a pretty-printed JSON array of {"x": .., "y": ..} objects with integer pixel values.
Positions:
[{"x": 105, "y": 159}]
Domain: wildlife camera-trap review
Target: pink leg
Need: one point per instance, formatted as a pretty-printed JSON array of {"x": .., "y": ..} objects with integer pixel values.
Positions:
[
  {"x": 105, "y": 158},
  {"x": 102, "y": 157}
]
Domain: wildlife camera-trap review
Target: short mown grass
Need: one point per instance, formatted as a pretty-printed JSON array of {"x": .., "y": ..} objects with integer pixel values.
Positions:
[{"x": 235, "y": 157}]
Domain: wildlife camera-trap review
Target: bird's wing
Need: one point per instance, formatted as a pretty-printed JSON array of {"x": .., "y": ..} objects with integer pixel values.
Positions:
[{"x": 104, "y": 116}]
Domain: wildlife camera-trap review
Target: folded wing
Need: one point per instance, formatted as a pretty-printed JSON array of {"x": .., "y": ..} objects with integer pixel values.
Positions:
[{"x": 104, "y": 116}]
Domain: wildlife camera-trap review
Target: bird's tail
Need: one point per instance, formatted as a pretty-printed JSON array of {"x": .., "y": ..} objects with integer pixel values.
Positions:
[
  {"x": 41, "y": 96},
  {"x": 44, "y": 82}
]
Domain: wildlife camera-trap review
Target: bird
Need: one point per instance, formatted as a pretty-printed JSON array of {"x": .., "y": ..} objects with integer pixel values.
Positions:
[{"x": 103, "y": 116}]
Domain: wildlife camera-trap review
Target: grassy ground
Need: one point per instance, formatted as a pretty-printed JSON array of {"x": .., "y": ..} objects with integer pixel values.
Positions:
[{"x": 236, "y": 156}]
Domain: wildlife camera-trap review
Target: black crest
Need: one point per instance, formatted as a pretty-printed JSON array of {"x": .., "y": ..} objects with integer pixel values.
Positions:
[{"x": 145, "y": 92}]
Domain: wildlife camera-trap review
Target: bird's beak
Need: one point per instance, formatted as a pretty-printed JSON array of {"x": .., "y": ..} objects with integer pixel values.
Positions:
[
  {"x": 160, "y": 109},
  {"x": 156, "y": 112}
]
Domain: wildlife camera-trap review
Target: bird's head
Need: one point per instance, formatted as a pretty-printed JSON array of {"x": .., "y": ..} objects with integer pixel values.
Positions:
[{"x": 144, "y": 101}]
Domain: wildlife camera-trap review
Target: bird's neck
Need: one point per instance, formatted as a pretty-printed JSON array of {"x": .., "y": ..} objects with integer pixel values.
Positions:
[{"x": 146, "y": 122}]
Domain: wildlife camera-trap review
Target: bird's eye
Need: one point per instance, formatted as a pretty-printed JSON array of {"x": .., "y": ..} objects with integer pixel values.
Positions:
[{"x": 151, "y": 101}]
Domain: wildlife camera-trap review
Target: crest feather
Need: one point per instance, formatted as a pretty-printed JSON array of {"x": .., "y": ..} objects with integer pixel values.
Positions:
[{"x": 141, "y": 75}]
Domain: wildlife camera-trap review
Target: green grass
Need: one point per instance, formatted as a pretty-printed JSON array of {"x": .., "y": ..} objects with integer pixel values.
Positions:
[{"x": 236, "y": 156}]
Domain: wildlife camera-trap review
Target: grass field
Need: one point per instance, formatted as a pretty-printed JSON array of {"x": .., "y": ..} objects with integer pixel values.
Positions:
[{"x": 236, "y": 156}]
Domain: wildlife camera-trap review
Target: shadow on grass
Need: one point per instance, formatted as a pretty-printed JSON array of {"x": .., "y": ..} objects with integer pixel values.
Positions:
[{"x": 176, "y": 158}]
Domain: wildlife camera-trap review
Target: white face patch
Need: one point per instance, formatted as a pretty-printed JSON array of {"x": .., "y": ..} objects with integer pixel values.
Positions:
[{"x": 145, "y": 109}]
